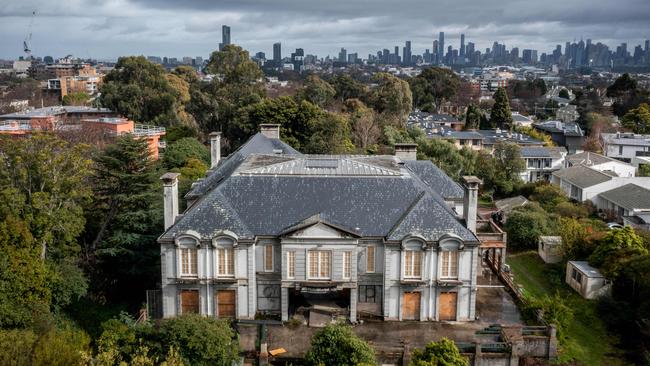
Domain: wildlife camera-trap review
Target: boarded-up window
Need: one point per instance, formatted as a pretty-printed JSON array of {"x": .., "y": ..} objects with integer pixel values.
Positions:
[
  {"x": 189, "y": 262},
  {"x": 189, "y": 302},
  {"x": 226, "y": 258},
  {"x": 413, "y": 264},
  {"x": 226, "y": 303},
  {"x": 319, "y": 264},
  {"x": 449, "y": 267},
  {"x": 411, "y": 306},
  {"x": 268, "y": 258},
  {"x": 291, "y": 264},
  {"x": 347, "y": 264},
  {"x": 448, "y": 303},
  {"x": 370, "y": 259}
]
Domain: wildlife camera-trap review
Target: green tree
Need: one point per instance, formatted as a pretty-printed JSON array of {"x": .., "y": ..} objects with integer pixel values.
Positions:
[
  {"x": 140, "y": 90},
  {"x": 317, "y": 91},
  {"x": 201, "y": 340},
  {"x": 179, "y": 152},
  {"x": 526, "y": 224},
  {"x": 60, "y": 346},
  {"x": 473, "y": 117},
  {"x": 364, "y": 124},
  {"x": 616, "y": 250},
  {"x": 644, "y": 170},
  {"x": 45, "y": 182},
  {"x": 348, "y": 88},
  {"x": 548, "y": 196},
  {"x": 79, "y": 98},
  {"x": 331, "y": 135},
  {"x": 336, "y": 344},
  {"x": 125, "y": 220},
  {"x": 432, "y": 87},
  {"x": 501, "y": 170},
  {"x": 622, "y": 85},
  {"x": 501, "y": 116},
  {"x": 441, "y": 353},
  {"x": 237, "y": 83},
  {"x": 392, "y": 98},
  {"x": 555, "y": 310},
  {"x": 638, "y": 119}
]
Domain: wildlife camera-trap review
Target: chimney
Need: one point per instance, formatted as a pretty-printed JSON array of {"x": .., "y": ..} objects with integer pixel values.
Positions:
[
  {"x": 406, "y": 151},
  {"x": 170, "y": 197},
  {"x": 470, "y": 201},
  {"x": 215, "y": 149},
  {"x": 270, "y": 130}
]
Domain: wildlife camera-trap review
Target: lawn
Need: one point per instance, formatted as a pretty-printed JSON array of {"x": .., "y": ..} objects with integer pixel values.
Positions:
[{"x": 587, "y": 340}]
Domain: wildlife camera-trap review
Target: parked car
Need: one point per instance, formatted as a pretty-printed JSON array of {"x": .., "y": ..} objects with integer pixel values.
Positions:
[{"x": 614, "y": 225}]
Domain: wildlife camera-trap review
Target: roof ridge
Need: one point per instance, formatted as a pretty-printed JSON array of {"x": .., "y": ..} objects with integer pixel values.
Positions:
[{"x": 406, "y": 213}]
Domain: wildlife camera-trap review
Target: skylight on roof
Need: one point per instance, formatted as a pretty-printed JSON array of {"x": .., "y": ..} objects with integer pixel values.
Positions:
[{"x": 322, "y": 163}]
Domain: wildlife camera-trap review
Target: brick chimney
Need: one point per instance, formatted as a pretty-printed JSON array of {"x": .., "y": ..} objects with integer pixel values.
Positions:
[
  {"x": 270, "y": 130},
  {"x": 170, "y": 197},
  {"x": 215, "y": 149},
  {"x": 470, "y": 201},
  {"x": 406, "y": 151}
]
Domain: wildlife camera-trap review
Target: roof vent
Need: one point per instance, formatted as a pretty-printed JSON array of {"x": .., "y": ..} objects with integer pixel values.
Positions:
[{"x": 278, "y": 151}]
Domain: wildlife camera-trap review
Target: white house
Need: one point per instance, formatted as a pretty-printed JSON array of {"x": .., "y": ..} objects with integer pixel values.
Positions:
[
  {"x": 271, "y": 230},
  {"x": 601, "y": 163},
  {"x": 587, "y": 280},
  {"x": 541, "y": 162},
  {"x": 630, "y": 203},
  {"x": 583, "y": 183},
  {"x": 625, "y": 146}
]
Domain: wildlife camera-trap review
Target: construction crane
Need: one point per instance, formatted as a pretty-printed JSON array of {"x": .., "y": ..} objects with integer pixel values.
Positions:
[{"x": 28, "y": 38}]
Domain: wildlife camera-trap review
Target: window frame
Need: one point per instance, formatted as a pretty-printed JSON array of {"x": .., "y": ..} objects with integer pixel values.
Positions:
[
  {"x": 410, "y": 256},
  {"x": 319, "y": 266},
  {"x": 347, "y": 267},
  {"x": 374, "y": 259},
  {"x": 227, "y": 264},
  {"x": 445, "y": 274},
  {"x": 193, "y": 253},
  {"x": 291, "y": 265},
  {"x": 264, "y": 258}
]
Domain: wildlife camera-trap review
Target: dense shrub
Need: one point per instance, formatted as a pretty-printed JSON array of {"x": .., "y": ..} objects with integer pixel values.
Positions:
[
  {"x": 526, "y": 224},
  {"x": 442, "y": 353},
  {"x": 336, "y": 344}
]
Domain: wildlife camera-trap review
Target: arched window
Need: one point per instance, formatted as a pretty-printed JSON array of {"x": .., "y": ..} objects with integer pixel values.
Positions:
[
  {"x": 188, "y": 257},
  {"x": 449, "y": 246},
  {"x": 413, "y": 258}
]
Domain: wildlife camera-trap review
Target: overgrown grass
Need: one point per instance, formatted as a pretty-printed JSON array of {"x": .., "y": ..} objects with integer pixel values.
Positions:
[{"x": 587, "y": 341}]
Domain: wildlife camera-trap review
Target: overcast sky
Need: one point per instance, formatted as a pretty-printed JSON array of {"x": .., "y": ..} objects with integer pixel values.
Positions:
[{"x": 106, "y": 29}]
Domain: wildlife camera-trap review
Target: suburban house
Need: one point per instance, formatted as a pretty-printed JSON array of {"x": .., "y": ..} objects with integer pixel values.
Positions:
[
  {"x": 431, "y": 121},
  {"x": 270, "y": 231},
  {"x": 587, "y": 280},
  {"x": 541, "y": 162},
  {"x": 469, "y": 139},
  {"x": 630, "y": 204},
  {"x": 625, "y": 146},
  {"x": 549, "y": 248},
  {"x": 601, "y": 163},
  {"x": 521, "y": 120},
  {"x": 582, "y": 183},
  {"x": 492, "y": 136},
  {"x": 567, "y": 113},
  {"x": 569, "y": 134},
  {"x": 483, "y": 139}
]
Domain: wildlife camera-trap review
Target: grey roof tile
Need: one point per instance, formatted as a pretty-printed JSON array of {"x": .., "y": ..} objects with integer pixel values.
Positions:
[
  {"x": 582, "y": 176},
  {"x": 435, "y": 178},
  {"x": 630, "y": 196}
]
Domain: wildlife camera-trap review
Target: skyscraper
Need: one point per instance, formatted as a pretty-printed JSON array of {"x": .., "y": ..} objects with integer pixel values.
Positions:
[
  {"x": 406, "y": 54},
  {"x": 225, "y": 36},
  {"x": 441, "y": 46},
  {"x": 462, "y": 45},
  {"x": 343, "y": 55},
  {"x": 277, "y": 53}
]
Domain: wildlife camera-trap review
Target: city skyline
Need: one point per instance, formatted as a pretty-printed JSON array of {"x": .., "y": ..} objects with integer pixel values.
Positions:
[{"x": 112, "y": 28}]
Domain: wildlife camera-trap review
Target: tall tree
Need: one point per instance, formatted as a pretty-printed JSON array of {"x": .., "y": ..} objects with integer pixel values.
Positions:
[
  {"x": 473, "y": 118},
  {"x": 501, "y": 115},
  {"x": 125, "y": 220},
  {"x": 348, "y": 88},
  {"x": 317, "y": 91},
  {"x": 392, "y": 97},
  {"x": 432, "y": 87},
  {"x": 140, "y": 90},
  {"x": 365, "y": 127}
]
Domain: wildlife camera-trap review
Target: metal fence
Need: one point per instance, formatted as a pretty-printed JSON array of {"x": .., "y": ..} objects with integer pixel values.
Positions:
[{"x": 154, "y": 304}]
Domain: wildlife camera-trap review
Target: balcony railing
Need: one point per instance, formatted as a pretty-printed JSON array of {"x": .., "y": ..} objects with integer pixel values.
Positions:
[{"x": 148, "y": 130}]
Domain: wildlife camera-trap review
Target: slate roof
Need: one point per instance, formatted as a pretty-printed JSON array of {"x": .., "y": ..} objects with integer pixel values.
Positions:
[
  {"x": 370, "y": 206},
  {"x": 257, "y": 144},
  {"x": 582, "y": 176},
  {"x": 435, "y": 178},
  {"x": 630, "y": 196},
  {"x": 325, "y": 165},
  {"x": 535, "y": 152},
  {"x": 53, "y": 111}
]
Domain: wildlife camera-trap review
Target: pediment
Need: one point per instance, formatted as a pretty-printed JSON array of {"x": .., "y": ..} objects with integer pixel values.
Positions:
[{"x": 320, "y": 230}]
